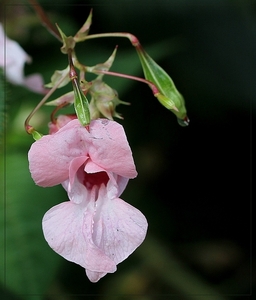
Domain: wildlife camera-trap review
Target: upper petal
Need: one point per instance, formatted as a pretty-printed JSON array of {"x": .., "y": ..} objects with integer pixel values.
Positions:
[
  {"x": 109, "y": 148},
  {"x": 50, "y": 156},
  {"x": 106, "y": 144}
]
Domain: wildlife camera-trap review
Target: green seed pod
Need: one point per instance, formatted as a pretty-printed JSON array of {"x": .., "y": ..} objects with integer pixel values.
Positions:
[
  {"x": 168, "y": 94},
  {"x": 81, "y": 104}
]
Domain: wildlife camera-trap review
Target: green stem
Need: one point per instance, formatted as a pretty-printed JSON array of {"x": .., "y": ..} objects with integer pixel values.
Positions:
[
  {"x": 41, "y": 103},
  {"x": 135, "y": 42}
]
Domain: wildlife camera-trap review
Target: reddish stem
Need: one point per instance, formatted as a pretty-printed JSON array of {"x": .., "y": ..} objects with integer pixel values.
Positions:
[
  {"x": 53, "y": 119},
  {"x": 152, "y": 86},
  {"x": 44, "y": 19}
]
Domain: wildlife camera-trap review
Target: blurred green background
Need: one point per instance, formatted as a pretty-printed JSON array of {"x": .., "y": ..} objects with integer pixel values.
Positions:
[{"x": 194, "y": 183}]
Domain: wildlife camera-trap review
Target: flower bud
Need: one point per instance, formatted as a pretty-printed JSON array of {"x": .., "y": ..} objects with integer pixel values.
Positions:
[
  {"x": 68, "y": 42},
  {"x": 104, "y": 100},
  {"x": 60, "y": 121},
  {"x": 36, "y": 135}
]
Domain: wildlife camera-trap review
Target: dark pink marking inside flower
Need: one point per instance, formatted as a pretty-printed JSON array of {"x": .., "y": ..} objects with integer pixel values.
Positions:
[{"x": 91, "y": 179}]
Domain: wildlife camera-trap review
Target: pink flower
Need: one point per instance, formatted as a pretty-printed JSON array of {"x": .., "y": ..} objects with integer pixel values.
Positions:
[
  {"x": 13, "y": 58},
  {"x": 95, "y": 229}
]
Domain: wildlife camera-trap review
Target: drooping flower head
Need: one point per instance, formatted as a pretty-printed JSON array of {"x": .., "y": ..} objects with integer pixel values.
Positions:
[
  {"x": 95, "y": 229},
  {"x": 13, "y": 58}
]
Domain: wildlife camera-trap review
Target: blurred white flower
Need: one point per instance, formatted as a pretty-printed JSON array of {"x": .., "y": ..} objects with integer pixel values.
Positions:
[{"x": 13, "y": 59}]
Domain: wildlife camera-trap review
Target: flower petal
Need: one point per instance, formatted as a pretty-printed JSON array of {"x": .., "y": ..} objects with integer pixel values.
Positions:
[
  {"x": 67, "y": 228},
  {"x": 119, "y": 228},
  {"x": 94, "y": 276},
  {"x": 114, "y": 154},
  {"x": 13, "y": 57},
  {"x": 35, "y": 83},
  {"x": 106, "y": 144},
  {"x": 75, "y": 164},
  {"x": 75, "y": 187},
  {"x": 91, "y": 167},
  {"x": 50, "y": 156}
]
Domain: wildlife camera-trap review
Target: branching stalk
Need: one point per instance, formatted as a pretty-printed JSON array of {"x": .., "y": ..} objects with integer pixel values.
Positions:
[
  {"x": 28, "y": 127},
  {"x": 151, "y": 85},
  {"x": 135, "y": 42}
]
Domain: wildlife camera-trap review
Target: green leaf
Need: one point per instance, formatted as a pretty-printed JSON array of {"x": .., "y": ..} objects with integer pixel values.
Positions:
[{"x": 30, "y": 264}]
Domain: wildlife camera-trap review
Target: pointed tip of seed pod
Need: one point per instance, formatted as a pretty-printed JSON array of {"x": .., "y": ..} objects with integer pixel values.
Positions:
[{"x": 183, "y": 122}]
